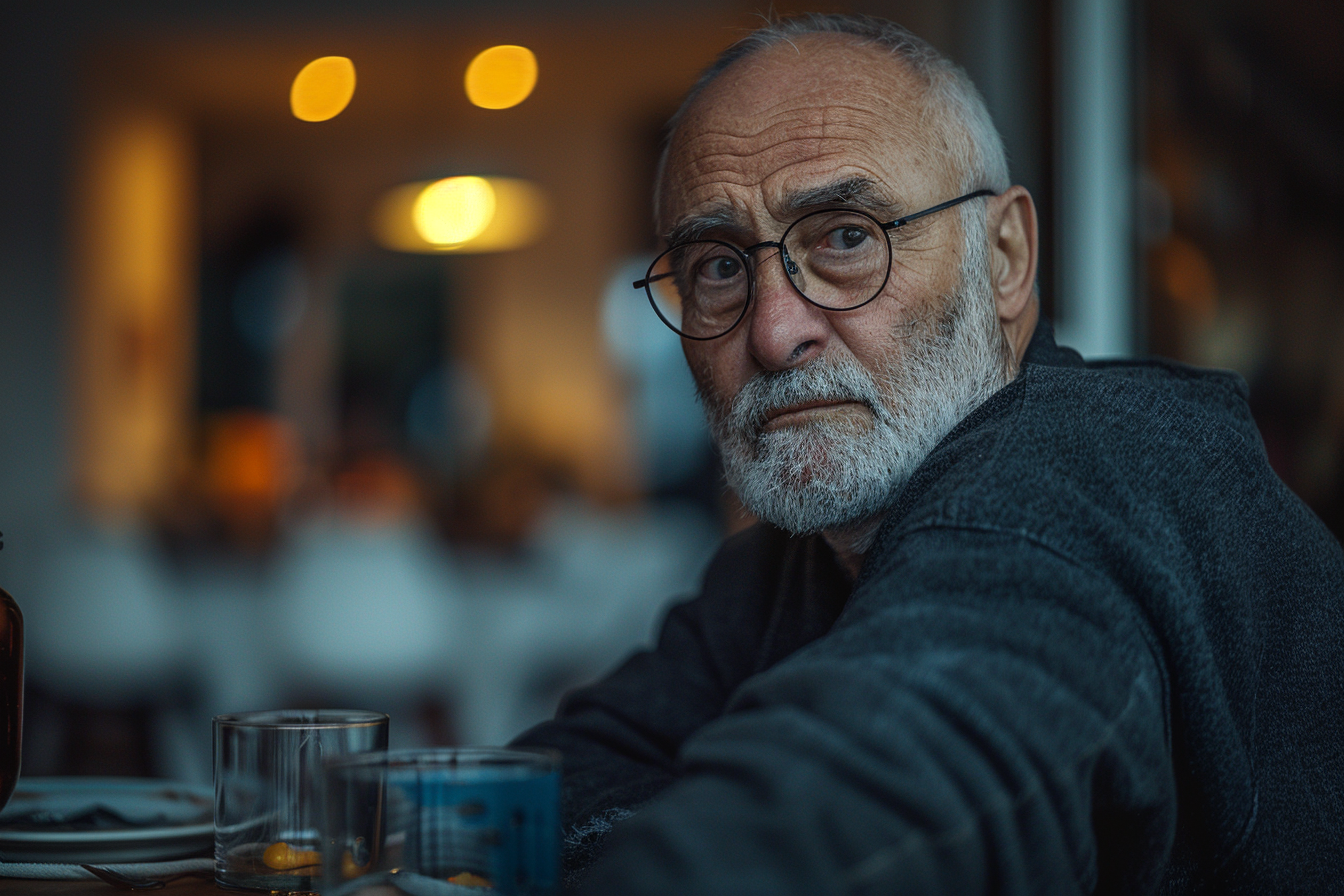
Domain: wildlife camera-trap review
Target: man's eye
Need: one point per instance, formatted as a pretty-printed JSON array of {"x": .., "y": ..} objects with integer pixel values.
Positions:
[
  {"x": 846, "y": 238},
  {"x": 725, "y": 267}
]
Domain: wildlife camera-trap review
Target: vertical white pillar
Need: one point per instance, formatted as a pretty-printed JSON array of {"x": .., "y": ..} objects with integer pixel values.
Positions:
[{"x": 1096, "y": 301}]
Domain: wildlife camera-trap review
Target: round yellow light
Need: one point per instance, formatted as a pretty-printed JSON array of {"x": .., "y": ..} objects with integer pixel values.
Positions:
[
  {"x": 322, "y": 89},
  {"x": 520, "y": 219},
  {"x": 453, "y": 210},
  {"x": 501, "y": 77}
]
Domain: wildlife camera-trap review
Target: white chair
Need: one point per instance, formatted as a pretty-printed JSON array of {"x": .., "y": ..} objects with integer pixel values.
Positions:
[
  {"x": 103, "y": 626},
  {"x": 367, "y": 613}
]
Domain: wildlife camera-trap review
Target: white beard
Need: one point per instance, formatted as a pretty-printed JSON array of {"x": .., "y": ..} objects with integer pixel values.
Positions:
[{"x": 840, "y": 475}]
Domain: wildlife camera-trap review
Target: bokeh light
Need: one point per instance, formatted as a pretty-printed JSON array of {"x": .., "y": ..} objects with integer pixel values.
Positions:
[
  {"x": 453, "y": 210},
  {"x": 501, "y": 77},
  {"x": 322, "y": 89},
  {"x": 517, "y": 220}
]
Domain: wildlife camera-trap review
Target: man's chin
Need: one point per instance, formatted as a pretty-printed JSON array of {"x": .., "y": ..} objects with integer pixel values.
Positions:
[
  {"x": 801, "y": 497},
  {"x": 799, "y": 517}
]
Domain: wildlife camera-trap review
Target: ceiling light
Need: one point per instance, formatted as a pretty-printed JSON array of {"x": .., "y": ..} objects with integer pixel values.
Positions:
[{"x": 501, "y": 77}]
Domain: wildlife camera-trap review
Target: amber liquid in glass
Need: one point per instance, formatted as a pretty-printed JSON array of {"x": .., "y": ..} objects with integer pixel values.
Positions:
[{"x": 11, "y": 693}]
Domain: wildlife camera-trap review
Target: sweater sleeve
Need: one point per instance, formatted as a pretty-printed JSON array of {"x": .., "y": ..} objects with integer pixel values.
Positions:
[
  {"x": 986, "y": 716},
  {"x": 620, "y": 737}
]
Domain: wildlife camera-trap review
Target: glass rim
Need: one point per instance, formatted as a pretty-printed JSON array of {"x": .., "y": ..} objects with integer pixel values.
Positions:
[
  {"x": 449, "y": 758},
  {"x": 302, "y": 718}
]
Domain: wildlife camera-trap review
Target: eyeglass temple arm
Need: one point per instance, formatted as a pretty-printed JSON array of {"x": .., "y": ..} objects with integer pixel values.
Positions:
[
  {"x": 640, "y": 284},
  {"x": 939, "y": 207}
]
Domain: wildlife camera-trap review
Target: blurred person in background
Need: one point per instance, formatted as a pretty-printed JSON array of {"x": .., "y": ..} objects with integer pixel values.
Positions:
[{"x": 1013, "y": 622}]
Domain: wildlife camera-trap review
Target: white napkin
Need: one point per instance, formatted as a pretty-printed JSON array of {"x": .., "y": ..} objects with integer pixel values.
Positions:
[{"x": 70, "y": 871}]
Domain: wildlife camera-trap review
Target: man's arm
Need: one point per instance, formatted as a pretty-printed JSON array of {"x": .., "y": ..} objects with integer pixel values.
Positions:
[
  {"x": 986, "y": 716},
  {"x": 620, "y": 738}
]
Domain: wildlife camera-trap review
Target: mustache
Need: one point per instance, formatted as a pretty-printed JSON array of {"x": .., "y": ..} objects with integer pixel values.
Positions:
[{"x": 832, "y": 380}]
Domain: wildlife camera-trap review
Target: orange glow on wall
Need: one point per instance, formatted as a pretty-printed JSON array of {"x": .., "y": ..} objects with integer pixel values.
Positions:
[
  {"x": 133, "y": 214},
  {"x": 250, "y": 458},
  {"x": 322, "y": 89},
  {"x": 249, "y": 468},
  {"x": 1187, "y": 275},
  {"x": 501, "y": 77}
]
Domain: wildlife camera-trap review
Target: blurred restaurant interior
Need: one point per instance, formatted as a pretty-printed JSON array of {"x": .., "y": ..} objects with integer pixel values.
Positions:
[{"x": 264, "y": 443}]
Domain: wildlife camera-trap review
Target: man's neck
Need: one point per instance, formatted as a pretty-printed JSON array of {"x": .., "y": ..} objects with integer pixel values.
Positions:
[{"x": 852, "y": 543}]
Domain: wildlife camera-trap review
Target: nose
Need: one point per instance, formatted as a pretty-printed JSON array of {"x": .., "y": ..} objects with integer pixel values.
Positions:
[{"x": 783, "y": 329}]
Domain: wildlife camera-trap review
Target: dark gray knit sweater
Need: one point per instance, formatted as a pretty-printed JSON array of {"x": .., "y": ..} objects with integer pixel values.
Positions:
[{"x": 1097, "y": 647}]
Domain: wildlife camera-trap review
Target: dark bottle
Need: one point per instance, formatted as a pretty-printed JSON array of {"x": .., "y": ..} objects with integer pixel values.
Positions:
[{"x": 11, "y": 693}]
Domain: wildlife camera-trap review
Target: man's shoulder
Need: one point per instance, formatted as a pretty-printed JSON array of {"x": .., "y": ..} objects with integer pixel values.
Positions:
[
  {"x": 1065, "y": 453},
  {"x": 1139, "y": 398},
  {"x": 1098, "y": 419},
  {"x": 1057, "y": 392},
  {"x": 1163, "y": 391}
]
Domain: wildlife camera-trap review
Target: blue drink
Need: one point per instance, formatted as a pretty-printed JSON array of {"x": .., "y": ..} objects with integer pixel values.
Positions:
[{"x": 440, "y": 822}]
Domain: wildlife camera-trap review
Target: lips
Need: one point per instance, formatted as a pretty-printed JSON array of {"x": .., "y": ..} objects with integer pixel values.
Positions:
[{"x": 782, "y": 413}]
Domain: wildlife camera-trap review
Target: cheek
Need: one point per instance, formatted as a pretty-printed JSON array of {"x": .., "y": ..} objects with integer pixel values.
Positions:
[
  {"x": 710, "y": 370},
  {"x": 701, "y": 371},
  {"x": 876, "y": 337},
  {"x": 912, "y": 286}
]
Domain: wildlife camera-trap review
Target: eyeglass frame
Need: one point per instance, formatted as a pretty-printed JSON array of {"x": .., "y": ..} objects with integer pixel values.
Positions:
[{"x": 745, "y": 256}]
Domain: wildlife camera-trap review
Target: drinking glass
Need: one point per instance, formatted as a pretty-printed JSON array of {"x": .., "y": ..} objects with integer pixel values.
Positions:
[
  {"x": 268, "y": 791},
  {"x": 11, "y": 693},
  {"x": 443, "y": 821}
]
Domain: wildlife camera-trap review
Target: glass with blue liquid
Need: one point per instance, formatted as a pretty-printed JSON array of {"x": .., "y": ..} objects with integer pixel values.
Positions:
[{"x": 443, "y": 822}]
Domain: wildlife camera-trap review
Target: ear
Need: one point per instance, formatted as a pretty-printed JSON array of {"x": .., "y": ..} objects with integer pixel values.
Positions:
[{"x": 1013, "y": 251}]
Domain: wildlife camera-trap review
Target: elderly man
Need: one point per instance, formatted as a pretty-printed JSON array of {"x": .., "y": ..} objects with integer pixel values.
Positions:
[{"x": 1014, "y": 623}]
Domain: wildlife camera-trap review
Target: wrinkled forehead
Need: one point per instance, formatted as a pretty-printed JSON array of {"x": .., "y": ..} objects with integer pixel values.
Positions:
[{"x": 817, "y": 107}]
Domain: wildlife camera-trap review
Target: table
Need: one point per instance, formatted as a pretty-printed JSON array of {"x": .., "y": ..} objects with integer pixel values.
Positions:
[{"x": 186, "y": 886}]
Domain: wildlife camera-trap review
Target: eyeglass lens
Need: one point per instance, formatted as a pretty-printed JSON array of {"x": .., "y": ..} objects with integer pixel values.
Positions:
[{"x": 837, "y": 259}]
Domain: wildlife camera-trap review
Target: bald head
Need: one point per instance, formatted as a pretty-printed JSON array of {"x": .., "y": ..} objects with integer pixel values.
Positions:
[
  {"x": 795, "y": 120},
  {"x": 936, "y": 97}
]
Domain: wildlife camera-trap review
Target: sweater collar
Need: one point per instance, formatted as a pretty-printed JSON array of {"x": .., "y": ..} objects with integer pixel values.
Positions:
[{"x": 1043, "y": 350}]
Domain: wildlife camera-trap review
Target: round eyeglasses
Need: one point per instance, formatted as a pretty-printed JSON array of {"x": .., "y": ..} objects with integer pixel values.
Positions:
[{"x": 838, "y": 259}]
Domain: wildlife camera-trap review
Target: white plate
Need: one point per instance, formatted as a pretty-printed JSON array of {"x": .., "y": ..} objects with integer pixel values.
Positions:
[{"x": 180, "y": 820}]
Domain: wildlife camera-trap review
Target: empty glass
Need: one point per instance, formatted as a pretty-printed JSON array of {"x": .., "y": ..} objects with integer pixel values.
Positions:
[
  {"x": 438, "y": 822},
  {"x": 11, "y": 693},
  {"x": 268, "y": 791}
]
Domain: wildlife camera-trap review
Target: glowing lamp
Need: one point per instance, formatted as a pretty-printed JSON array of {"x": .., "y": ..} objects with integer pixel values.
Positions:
[
  {"x": 460, "y": 214},
  {"x": 501, "y": 77},
  {"x": 322, "y": 89},
  {"x": 451, "y": 211}
]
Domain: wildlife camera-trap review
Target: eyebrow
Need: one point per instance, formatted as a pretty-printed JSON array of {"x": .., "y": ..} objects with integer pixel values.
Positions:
[
  {"x": 860, "y": 192},
  {"x": 693, "y": 227}
]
